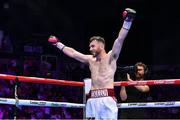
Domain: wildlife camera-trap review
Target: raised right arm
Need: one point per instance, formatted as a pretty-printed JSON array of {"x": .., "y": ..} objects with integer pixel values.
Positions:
[
  {"x": 69, "y": 51},
  {"x": 75, "y": 54}
]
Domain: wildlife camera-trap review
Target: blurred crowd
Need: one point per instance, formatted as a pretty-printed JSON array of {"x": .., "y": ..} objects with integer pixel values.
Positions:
[{"x": 32, "y": 91}]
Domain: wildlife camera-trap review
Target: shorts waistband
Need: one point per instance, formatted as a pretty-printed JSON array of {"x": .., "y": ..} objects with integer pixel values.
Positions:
[{"x": 101, "y": 93}]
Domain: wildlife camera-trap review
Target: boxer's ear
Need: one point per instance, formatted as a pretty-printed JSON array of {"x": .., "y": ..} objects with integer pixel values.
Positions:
[{"x": 101, "y": 45}]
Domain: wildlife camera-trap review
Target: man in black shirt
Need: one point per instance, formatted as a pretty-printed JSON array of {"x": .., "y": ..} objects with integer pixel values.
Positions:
[{"x": 135, "y": 94}]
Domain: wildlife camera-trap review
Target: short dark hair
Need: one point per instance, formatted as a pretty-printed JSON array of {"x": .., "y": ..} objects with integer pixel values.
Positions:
[
  {"x": 98, "y": 38},
  {"x": 140, "y": 64},
  {"x": 143, "y": 65}
]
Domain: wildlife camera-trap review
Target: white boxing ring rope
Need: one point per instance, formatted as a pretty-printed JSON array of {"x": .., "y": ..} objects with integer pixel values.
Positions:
[{"x": 22, "y": 102}]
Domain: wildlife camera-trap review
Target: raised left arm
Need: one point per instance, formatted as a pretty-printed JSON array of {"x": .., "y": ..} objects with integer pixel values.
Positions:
[{"x": 128, "y": 15}]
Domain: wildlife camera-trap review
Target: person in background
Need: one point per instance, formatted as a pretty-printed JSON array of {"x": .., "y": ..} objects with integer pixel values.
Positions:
[{"x": 135, "y": 93}]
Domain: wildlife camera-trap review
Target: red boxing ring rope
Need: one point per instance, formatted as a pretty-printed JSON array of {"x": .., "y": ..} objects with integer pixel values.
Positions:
[
  {"x": 41, "y": 80},
  {"x": 74, "y": 83},
  {"x": 148, "y": 82}
]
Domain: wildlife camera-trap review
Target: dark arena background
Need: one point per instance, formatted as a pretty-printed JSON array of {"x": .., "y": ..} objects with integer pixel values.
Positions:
[{"x": 25, "y": 26}]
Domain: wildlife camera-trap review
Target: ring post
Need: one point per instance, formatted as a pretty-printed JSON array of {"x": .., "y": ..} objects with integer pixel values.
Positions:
[
  {"x": 16, "y": 84},
  {"x": 87, "y": 88}
]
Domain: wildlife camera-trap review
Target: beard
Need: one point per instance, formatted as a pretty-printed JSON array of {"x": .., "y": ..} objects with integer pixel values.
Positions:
[
  {"x": 95, "y": 54},
  {"x": 139, "y": 76}
]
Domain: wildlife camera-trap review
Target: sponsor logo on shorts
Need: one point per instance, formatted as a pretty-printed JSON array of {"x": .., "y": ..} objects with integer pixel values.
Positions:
[{"x": 99, "y": 93}]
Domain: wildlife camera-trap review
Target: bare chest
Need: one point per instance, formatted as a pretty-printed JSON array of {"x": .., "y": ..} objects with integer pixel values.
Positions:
[{"x": 102, "y": 66}]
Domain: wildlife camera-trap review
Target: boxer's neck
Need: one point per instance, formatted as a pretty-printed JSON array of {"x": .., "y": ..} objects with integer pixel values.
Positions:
[{"x": 101, "y": 55}]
